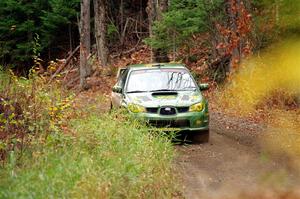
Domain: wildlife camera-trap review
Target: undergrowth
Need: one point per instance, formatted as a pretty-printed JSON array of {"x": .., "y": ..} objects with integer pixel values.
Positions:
[
  {"x": 29, "y": 108},
  {"x": 73, "y": 152}
]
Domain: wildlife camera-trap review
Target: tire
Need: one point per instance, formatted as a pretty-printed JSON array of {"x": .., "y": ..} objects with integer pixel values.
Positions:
[{"x": 200, "y": 137}]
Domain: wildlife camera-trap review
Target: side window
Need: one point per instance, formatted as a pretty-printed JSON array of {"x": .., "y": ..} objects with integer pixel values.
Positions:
[{"x": 122, "y": 78}]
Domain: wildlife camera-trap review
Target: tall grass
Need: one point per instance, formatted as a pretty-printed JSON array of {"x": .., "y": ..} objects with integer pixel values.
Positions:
[
  {"x": 81, "y": 152},
  {"x": 104, "y": 158}
]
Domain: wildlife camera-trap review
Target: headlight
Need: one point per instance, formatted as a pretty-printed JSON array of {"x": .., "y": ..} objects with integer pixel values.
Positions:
[
  {"x": 197, "y": 107},
  {"x": 134, "y": 108}
]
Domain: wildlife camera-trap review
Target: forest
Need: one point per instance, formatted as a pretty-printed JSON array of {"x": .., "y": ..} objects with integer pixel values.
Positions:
[
  {"x": 60, "y": 137},
  {"x": 227, "y": 30}
]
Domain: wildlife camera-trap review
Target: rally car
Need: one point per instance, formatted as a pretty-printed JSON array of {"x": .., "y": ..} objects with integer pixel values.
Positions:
[{"x": 166, "y": 96}]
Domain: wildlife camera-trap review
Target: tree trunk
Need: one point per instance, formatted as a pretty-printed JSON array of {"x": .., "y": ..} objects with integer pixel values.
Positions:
[
  {"x": 101, "y": 30},
  {"x": 122, "y": 22},
  {"x": 85, "y": 43},
  {"x": 155, "y": 9},
  {"x": 233, "y": 13}
]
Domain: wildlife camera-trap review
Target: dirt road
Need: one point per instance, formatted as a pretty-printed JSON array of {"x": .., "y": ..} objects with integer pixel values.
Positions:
[{"x": 227, "y": 167}]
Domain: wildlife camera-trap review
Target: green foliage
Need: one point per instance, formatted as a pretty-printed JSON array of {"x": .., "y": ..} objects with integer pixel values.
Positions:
[
  {"x": 112, "y": 32},
  {"x": 56, "y": 19},
  {"x": 17, "y": 26},
  {"x": 275, "y": 19},
  {"x": 102, "y": 158},
  {"x": 183, "y": 19},
  {"x": 20, "y": 21}
]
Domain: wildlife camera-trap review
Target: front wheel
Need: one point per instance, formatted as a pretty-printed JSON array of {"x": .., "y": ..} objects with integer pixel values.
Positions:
[{"x": 200, "y": 136}]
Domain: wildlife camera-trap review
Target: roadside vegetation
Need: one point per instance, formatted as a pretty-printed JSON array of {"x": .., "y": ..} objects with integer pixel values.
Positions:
[{"x": 54, "y": 150}]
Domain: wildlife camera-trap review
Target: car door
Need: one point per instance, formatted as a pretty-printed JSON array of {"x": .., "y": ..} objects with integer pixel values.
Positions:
[{"x": 117, "y": 93}]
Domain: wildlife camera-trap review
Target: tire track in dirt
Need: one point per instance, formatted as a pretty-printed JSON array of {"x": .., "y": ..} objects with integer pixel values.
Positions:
[{"x": 227, "y": 167}]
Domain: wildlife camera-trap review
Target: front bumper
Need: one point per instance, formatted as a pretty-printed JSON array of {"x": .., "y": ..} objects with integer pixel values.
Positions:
[{"x": 190, "y": 121}]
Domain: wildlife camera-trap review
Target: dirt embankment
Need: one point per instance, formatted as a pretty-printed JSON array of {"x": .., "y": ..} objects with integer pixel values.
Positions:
[{"x": 235, "y": 164}]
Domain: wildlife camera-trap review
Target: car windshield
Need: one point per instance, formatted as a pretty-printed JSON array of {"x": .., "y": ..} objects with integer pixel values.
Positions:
[{"x": 166, "y": 79}]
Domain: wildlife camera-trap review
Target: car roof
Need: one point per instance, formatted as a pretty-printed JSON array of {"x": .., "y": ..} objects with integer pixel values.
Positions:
[{"x": 155, "y": 65}]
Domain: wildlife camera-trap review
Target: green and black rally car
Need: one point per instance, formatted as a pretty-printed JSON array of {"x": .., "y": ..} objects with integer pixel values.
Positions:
[{"x": 166, "y": 96}]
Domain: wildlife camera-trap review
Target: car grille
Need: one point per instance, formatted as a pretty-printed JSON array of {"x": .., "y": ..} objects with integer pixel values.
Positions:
[
  {"x": 170, "y": 123},
  {"x": 182, "y": 109},
  {"x": 152, "y": 110},
  {"x": 168, "y": 110}
]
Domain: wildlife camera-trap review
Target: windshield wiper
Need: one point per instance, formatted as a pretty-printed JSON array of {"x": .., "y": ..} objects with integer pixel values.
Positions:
[{"x": 137, "y": 91}]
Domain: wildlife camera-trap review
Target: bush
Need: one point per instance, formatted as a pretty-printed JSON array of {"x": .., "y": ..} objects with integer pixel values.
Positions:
[{"x": 29, "y": 107}]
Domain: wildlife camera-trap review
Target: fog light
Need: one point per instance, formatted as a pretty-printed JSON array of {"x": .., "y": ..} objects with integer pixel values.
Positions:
[
  {"x": 198, "y": 122},
  {"x": 135, "y": 108}
]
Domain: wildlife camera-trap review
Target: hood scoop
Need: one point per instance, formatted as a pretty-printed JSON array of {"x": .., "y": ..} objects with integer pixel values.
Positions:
[{"x": 164, "y": 94}]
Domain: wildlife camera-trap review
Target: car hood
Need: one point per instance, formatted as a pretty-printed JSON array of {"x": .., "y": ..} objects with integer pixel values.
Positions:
[{"x": 159, "y": 99}]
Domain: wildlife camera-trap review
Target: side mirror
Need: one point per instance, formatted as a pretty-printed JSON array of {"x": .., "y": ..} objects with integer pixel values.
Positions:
[
  {"x": 203, "y": 87},
  {"x": 117, "y": 89},
  {"x": 120, "y": 72}
]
